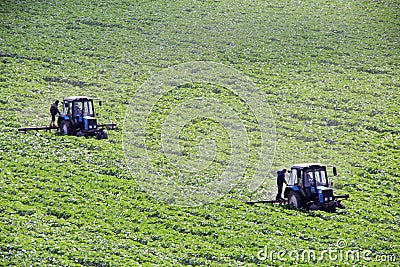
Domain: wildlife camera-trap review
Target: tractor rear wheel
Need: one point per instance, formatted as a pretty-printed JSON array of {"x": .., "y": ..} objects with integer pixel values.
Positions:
[
  {"x": 65, "y": 128},
  {"x": 294, "y": 199}
]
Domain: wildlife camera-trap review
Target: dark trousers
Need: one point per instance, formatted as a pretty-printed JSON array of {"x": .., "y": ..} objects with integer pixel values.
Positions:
[{"x": 279, "y": 195}]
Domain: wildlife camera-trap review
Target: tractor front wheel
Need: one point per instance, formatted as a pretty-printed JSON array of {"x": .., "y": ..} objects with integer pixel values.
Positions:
[
  {"x": 332, "y": 207},
  {"x": 294, "y": 199},
  {"x": 65, "y": 128},
  {"x": 104, "y": 134}
]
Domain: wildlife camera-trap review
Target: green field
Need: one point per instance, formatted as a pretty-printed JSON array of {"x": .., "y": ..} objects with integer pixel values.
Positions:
[{"x": 329, "y": 71}]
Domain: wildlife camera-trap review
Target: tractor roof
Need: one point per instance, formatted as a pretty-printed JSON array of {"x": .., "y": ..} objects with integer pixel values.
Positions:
[
  {"x": 79, "y": 98},
  {"x": 306, "y": 165}
]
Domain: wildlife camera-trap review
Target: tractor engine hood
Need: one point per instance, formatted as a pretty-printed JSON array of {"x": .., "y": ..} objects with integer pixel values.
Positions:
[{"x": 322, "y": 188}]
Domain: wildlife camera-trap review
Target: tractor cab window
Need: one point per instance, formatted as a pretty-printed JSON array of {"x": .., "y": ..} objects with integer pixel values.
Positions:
[
  {"x": 320, "y": 177},
  {"x": 67, "y": 108},
  {"x": 88, "y": 109},
  {"x": 293, "y": 177},
  {"x": 308, "y": 178},
  {"x": 77, "y": 109}
]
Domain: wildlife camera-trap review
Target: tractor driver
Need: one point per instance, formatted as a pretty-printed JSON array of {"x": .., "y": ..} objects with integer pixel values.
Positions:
[
  {"x": 77, "y": 112},
  {"x": 308, "y": 182}
]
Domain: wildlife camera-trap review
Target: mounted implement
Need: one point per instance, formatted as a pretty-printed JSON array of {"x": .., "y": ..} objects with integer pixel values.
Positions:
[
  {"x": 309, "y": 188},
  {"x": 41, "y": 128},
  {"x": 78, "y": 118}
]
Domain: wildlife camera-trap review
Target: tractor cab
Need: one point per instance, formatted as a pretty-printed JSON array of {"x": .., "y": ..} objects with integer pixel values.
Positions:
[
  {"x": 78, "y": 107},
  {"x": 308, "y": 187},
  {"x": 308, "y": 176}
]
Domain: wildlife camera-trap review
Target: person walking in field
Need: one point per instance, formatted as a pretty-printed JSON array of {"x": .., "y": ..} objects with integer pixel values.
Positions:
[
  {"x": 280, "y": 181},
  {"x": 54, "y": 111}
]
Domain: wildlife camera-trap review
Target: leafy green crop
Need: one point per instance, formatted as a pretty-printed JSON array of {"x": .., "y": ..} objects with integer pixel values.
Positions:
[{"x": 328, "y": 69}]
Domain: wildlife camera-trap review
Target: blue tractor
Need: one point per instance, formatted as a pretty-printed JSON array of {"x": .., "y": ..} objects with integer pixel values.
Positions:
[
  {"x": 78, "y": 118},
  {"x": 309, "y": 188}
]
